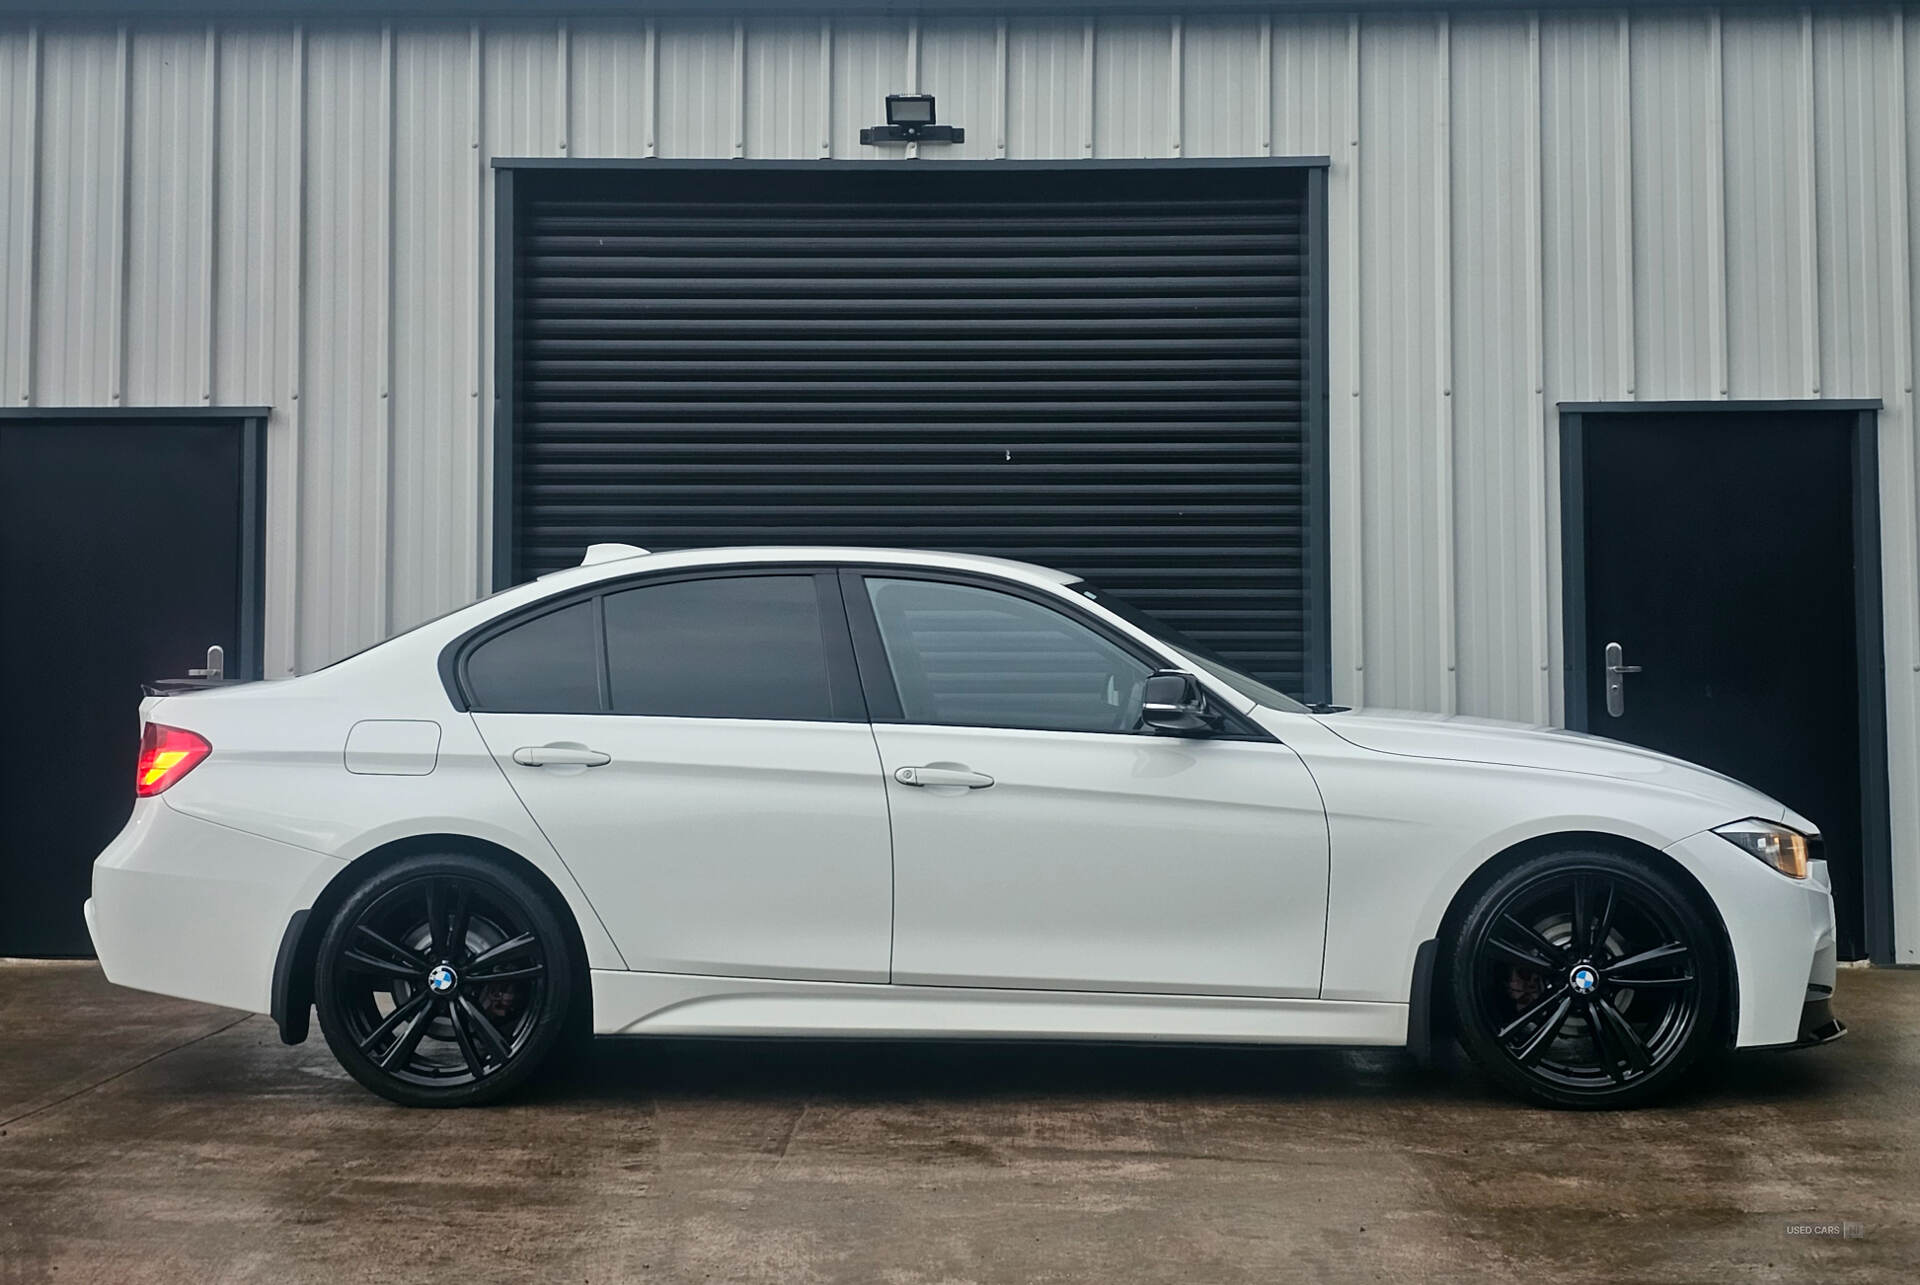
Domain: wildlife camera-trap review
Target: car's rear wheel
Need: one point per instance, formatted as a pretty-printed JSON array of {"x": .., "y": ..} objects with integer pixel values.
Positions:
[
  {"x": 1586, "y": 979},
  {"x": 443, "y": 981}
]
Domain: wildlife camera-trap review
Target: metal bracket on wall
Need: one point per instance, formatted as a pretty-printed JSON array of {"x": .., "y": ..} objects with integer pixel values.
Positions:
[{"x": 880, "y": 135}]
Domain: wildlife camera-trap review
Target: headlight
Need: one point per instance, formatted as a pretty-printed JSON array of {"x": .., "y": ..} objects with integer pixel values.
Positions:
[{"x": 1783, "y": 849}]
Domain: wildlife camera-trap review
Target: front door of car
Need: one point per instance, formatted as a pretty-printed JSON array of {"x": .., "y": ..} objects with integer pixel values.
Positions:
[
  {"x": 1043, "y": 839},
  {"x": 698, "y": 753}
]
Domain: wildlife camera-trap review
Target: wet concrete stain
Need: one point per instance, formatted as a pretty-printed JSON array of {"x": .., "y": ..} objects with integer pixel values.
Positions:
[{"x": 144, "y": 1139}]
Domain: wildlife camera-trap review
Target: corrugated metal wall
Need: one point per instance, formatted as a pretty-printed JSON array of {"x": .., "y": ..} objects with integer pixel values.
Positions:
[{"x": 1524, "y": 210}]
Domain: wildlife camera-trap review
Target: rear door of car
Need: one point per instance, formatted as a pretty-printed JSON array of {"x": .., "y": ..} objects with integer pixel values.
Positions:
[{"x": 696, "y": 748}]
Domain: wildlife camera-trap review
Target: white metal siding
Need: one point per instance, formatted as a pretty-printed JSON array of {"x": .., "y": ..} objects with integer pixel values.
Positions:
[{"x": 1525, "y": 209}]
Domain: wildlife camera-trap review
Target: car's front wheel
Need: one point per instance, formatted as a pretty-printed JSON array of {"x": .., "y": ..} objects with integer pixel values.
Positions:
[
  {"x": 1586, "y": 979},
  {"x": 443, "y": 981}
]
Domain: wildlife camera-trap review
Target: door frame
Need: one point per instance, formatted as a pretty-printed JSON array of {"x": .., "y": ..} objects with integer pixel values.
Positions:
[
  {"x": 516, "y": 176},
  {"x": 1859, "y": 417},
  {"x": 251, "y": 422}
]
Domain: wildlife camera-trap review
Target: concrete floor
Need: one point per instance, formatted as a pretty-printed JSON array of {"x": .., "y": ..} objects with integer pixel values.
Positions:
[{"x": 145, "y": 1139}]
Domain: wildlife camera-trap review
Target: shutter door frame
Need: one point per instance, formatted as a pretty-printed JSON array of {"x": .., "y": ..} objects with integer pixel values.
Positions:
[{"x": 520, "y": 180}]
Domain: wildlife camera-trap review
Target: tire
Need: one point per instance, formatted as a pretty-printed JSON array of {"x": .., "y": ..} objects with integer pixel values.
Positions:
[
  {"x": 1609, "y": 1016},
  {"x": 443, "y": 981}
]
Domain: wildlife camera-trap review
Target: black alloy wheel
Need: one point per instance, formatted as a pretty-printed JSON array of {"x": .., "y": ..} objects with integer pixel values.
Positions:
[
  {"x": 443, "y": 981},
  {"x": 1586, "y": 979}
]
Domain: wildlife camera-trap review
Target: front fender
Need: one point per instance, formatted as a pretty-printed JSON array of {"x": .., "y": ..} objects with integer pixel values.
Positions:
[{"x": 1407, "y": 833}]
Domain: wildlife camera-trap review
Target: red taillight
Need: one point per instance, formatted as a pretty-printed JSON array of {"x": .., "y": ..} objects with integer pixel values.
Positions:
[{"x": 166, "y": 755}]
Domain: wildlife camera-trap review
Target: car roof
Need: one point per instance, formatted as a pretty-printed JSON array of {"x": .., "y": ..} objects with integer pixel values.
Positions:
[
  {"x": 434, "y": 634},
  {"x": 732, "y": 555}
]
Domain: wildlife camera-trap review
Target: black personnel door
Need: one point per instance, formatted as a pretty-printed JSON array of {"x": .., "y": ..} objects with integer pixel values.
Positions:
[
  {"x": 1720, "y": 605},
  {"x": 128, "y": 546}
]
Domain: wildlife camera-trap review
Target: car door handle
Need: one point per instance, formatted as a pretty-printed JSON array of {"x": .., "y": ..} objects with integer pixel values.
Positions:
[
  {"x": 935, "y": 774},
  {"x": 560, "y": 756}
]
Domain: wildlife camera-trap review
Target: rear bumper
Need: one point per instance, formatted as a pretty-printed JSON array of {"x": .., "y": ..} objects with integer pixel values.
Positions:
[{"x": 188, "y": 908}]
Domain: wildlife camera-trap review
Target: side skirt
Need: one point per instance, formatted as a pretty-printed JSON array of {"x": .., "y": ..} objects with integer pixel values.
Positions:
[{"x": 678, "y": 1004}]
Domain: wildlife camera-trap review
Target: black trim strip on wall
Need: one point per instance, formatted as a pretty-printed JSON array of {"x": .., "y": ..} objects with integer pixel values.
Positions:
[
  {"x": 1876, "y": 831},
  {"x": 506, "y": 364},
  {"x": 468, "y": 9},
  {"x": 649, "y": 163},
  {"x": 200, "y": 413},
  {"x": 250, "y": 647},
  {"x": 516, "y": 189},
  {"x": 1876, "y": 859},
  {"x": 1317, "y": 340}
]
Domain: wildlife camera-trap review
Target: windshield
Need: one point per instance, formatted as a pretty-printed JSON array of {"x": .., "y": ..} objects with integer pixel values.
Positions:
[{"x": 1252, "y": 688}]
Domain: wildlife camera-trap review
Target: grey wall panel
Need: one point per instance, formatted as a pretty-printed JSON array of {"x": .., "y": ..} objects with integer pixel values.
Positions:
[
  {"x": 435, "y": 458},
  {"x": 259, "y": 132},
  {"x": 963, "y": 65},
  {"x": 345, "y": 462},
  {"x": 1309, "y": 85},
  {"x": 1237, "y": 52},
  {"x": 80, "y": 293},
  {"x": 1580, "y": 206},
  {"x": 782, "y": 65},
  {"x": 1679, "y": 309},
  {"x": 1586, "y": 247},
  {"x": 521, "y": 86},
  {"x": 1900, "y": 552},
  {"x": 258, "y": 184},
  {"x": 1498, "y": 462},
  {"x": 19, "y": 175},
  {"x": 1406, "y": 488},
  {"x": 1857, "y": 151},
  {"x": 1771, "y": 311},
  {"x": 869, "y": 60},
  {"x": 1346, "y": 404},
  {"x": 1136, "y": 100},
  {"x": 169, "y": 266},
  {"x": 1587, "y": 217},
  {"x": 1050, "y": 87},
  {"x": 610, "y": 85},
  {"x": 700, "y": 97},
  {"x": 520, "y": 97}
]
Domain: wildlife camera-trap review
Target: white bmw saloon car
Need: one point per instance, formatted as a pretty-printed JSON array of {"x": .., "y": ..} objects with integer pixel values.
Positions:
[{"x": 856, "y": 792}]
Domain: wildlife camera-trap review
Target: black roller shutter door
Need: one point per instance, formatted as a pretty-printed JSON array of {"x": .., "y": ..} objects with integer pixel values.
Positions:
[{"x": 1110, "y": 371}]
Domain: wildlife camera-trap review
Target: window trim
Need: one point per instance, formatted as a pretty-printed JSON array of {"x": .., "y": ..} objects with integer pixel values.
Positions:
[
  {"x": 844, "y": 689},
  {"x": 881, "y": 685}
]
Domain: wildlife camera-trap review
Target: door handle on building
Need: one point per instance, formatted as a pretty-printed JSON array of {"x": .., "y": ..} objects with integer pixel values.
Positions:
[
  {"x": 216, "y": 665},
  {"x": 1617, "y": 672}
]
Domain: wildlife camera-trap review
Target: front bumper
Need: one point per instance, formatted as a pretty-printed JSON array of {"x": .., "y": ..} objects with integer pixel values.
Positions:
[
  {"x": 1781, "y": 931},
  {"x": 1818, "y": 1025},
  {"x": 188, "y": 908}
]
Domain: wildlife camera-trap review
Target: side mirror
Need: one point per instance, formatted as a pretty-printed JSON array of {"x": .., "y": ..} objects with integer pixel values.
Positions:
[{"x": 1174, "y": 701}]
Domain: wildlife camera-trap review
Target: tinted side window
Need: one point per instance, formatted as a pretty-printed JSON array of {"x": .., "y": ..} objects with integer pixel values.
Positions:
[
  {"x": 971, "y": 657},
  {"x": 739, "y": 647},
  {"x": 549, "y": 665}
]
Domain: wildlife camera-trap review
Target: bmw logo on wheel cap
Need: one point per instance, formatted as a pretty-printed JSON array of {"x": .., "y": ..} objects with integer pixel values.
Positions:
[
  {"x": 441, "y": 979},
  {"x": 1584, "y": 979}
]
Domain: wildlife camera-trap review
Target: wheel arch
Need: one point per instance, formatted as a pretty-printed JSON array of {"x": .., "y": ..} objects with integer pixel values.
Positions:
[
  {"x": 300, "y": 945},
  {"x": 1431, "y": 995}
]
